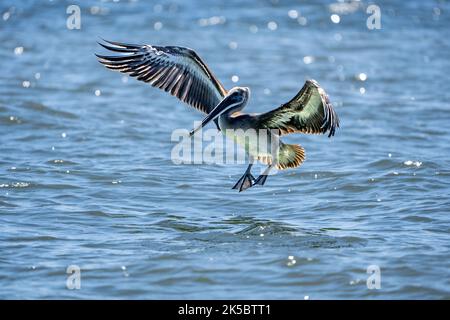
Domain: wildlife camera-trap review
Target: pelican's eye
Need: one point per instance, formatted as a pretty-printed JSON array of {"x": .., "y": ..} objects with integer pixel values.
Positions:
[{"x": 236, "y": 97}]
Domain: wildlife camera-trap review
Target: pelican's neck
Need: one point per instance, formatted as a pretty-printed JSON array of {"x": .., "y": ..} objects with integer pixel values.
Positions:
[
  {"x": 226, "y": 119},
  {"x": 236, "y": 108},
  {"x": 233, "y": 102}
]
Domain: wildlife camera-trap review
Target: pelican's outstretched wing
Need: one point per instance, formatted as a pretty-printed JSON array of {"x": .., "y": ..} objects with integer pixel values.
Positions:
[
  {"x": 310, "y": 111},
  {"x": 176, "y": 70}
]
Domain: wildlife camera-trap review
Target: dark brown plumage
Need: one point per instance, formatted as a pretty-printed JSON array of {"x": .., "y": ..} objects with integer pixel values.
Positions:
[{"x": 310, "y": 111}]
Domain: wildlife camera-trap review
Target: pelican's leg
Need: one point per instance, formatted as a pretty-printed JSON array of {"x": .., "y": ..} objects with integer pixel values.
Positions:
[
  {"x": 246, "y": 181},
  {"x": 262, "y": 178}
]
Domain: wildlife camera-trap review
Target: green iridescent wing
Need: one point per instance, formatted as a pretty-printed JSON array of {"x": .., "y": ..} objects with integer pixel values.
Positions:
[{"x": 310, "y": 111}]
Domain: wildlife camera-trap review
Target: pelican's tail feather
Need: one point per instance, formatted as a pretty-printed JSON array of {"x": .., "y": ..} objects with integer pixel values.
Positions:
[{"x": 290, "y": 156}]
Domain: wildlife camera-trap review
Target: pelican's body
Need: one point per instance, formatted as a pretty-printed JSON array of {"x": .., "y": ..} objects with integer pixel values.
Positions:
[
  {"x": 182, "y": 73},
  {"x": 228, "y": 123}
]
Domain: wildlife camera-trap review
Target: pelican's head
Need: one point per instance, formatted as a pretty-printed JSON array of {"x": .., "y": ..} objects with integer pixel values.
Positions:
[
  {"x": 234, "y": 101},
  {"x": 238, "y": 97}
]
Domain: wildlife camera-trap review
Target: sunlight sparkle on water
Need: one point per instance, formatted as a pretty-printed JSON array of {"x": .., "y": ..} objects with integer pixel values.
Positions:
[
  {"x": 302, "y": 21},
  {"x": 233, "y": 45},
  {"x": 18, "y": 51},
  {"x": 95, "y": 10},
  {"x": 158, "y": 25},
  {"x": 362, "y": 76},
  {"x": 212, "y": 21},
  {"x": 293, "y": 14},
  {"x": 308, "y": 59},
  {"x": 291, "y": 261},
  {"x": 272, "y": 25},
  {"x": 335, "y": 18},
  {"x": 412, "y": 163}
]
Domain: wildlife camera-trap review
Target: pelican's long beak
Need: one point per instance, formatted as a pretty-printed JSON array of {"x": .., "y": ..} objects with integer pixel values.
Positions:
[{"x": 217, "y": 111}]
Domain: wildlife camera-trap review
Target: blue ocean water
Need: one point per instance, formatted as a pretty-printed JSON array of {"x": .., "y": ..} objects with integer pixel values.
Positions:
[{"x": 86, "y": 176}]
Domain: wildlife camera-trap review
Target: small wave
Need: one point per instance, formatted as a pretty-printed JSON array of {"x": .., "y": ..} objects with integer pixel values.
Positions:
[
  {"x": 7, "y": 204},
  {"x": 183, "y": 186},
  {"x": 179, "y": 226},
  {"x": 97, "y": 213},
  {"x": 383, "y": 164},
  {"x": 268, "y": 228},
  {"x": 50, "y": 111},
  {"x": 288, "y": 236},
  {"x": 415, "y": 218}
]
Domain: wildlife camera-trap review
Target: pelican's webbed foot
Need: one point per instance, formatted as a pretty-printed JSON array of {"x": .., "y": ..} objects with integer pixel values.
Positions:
[
  {"x": 261, "y": 179},
  {"x": 246, "y": 181}
]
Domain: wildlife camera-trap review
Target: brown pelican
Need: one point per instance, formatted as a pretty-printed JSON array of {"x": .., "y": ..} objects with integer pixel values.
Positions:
[{"x": 182, "y": 73}]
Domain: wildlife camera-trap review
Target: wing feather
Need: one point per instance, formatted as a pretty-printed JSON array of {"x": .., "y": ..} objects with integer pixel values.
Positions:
[
  {"x": 310, "y": 111},
  {"x": 177, "y": 70}
]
